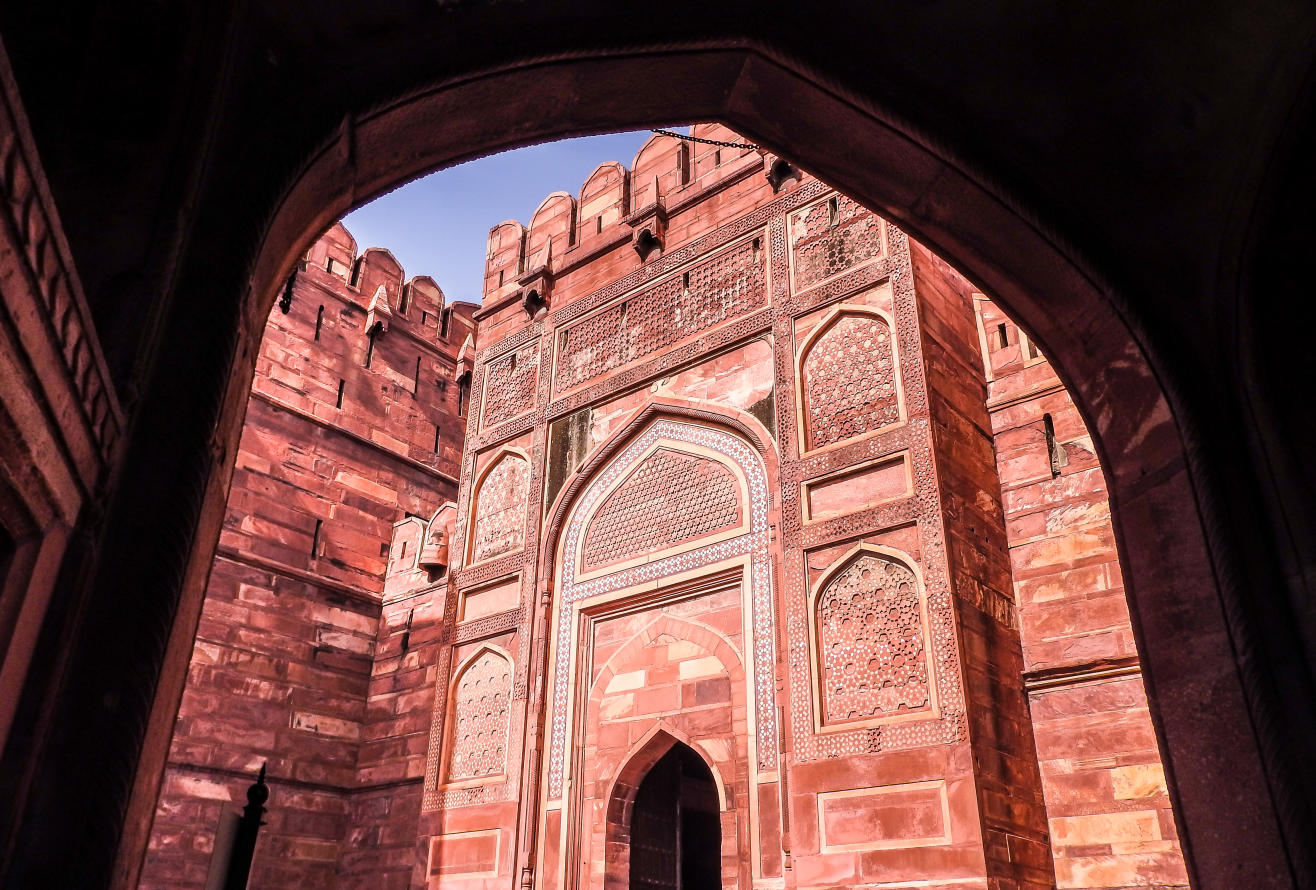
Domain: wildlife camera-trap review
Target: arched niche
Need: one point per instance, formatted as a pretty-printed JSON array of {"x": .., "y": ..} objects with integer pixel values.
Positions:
[
  {"x": 853, "y": 350},
  {"x": 499, "y": 507},
  {"x": 478, "y": 719},
  {"x": 870, "y": 642}
]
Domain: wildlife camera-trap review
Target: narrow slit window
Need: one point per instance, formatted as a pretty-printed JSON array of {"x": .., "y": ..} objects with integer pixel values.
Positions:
[
  {"x": 685, "y": 284},
  {"x": 1054, "y": 452},
  {"x": 319, "y": 322},
  {"x": 463, "y": 394},
  {"x": 1002, "y": 335},
  {"x": 356, "y": 274},
  {"x": 341, "y": 384},
  {"x": 315, "y": 537},
  {"x": 598, "y": 224},
  {"x": 370, "y": 348},
  {"x": 415, "y": 380},
  {"x": 404, "y": 299},
  {"x": 717, "y": 157},
  {"x": 500, "y": 277},
  {"x": 436, "y": 438},
  {"x": 833, "y": 211},
  {"x": 444, "y": 317}
]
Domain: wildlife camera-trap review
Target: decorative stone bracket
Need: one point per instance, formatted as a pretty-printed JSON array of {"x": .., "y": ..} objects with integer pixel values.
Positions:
[
  {"x": 536, "y": 290},
  {"x": 465, "y": 360},
  {"x": 648, "y": 230},
  {"x": 378, "y": 313},
  {"x": 778, "y": 171}
]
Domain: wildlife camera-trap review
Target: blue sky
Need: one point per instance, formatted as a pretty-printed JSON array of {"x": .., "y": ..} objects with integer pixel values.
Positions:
[{"x": 438, "y": 225}]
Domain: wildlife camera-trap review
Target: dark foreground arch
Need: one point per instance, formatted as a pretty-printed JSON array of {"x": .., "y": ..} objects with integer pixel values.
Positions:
[{"x": 1213, "y": 653}]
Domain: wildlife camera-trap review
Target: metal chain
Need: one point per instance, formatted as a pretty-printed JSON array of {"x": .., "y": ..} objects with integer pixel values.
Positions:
[{"x": 750, "y": 145}]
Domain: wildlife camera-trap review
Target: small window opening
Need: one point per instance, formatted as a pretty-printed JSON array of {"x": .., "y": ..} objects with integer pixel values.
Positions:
[
  {"x": 319, "y": 322},
  {"x": 404, "y": 299},
  {"x": 315, "y": 537},
  {"x": 356, "y": 274},
  {"x": 424, "y": 317},
  {"x": 1055, "y": 452},
  {"x": 756, "y": 248},
  {"x": 403, "y": 554},
  {"x": 685, "y": 284},
  {"x": 370, "y": 346},
  {"x": 500, "y": 277},
  {"x": 329, "y": 265},
  {"x": 1002, "y": 335},
  {"x": 833, "y": 211},
  {"x": 717, "y": 157},
  {"x": 436, "y": 438},
  {"x": 1030, "y": 348},
  {"x": 415, "y": 381},
  {"x": 383, "y": 549},
  {"x": 444, "y": 318},
  {"x": 598, "y": 224},
  {"x": 463, "y": 394},
  {"x": 341, "y": 384}
]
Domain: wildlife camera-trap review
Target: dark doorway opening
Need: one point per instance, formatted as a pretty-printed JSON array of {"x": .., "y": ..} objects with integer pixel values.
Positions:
[{"x": 676, "y": 838}]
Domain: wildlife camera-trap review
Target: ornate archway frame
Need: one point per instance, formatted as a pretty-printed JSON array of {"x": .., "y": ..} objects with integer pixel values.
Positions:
[
  {"x": 834, "y": 314},
  {"x": 843, "y": 562},
  {"x": 747, "y": 557}
]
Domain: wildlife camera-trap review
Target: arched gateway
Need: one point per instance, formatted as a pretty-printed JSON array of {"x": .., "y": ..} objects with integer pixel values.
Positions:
[{"x": 662, "y": 629}]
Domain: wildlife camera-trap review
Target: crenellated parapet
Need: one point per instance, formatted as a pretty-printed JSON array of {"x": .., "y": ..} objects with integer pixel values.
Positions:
[
  {"x": 375, "y": 281},
  {"x": 618, "y": 204}
]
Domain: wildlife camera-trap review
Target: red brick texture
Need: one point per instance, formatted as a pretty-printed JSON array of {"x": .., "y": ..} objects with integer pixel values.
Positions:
[
  {"x": 1111, "y": 822},
  {"x": 295, "y": 664}
]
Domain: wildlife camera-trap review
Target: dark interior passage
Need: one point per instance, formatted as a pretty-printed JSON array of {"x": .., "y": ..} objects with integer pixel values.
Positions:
[{"x": 675, "y": 835}]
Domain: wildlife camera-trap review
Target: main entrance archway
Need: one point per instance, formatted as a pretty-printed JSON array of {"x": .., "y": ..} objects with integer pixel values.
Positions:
[{"x": 675, "y": 833}]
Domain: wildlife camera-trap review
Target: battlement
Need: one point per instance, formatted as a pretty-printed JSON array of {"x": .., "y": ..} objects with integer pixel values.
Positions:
[
  {"x": 417, "y": 305},
  {"x": 614, "y": 203}
]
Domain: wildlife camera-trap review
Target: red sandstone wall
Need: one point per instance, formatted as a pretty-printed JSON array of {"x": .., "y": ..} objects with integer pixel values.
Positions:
[
  {"x": 1009, "y": 788},
  {"x": 1110, "y": 816},
  {"x": 292, "y": 666}
]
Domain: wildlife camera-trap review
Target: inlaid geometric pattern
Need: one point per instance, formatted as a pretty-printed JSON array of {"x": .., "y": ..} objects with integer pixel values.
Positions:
[
  {"x": 871, "y": 642},
  {"x": 753, "y": 543},
  {"x": 670, "y": 498},
  {"x": 500, "y": 509},
  {"x": 849, "y": 380},
  {"x": 509, "y": 388},
  {"x": 830, "y": 237},
  {"x": 709, "y": 293},
  {"x": 481, "y": 710}
]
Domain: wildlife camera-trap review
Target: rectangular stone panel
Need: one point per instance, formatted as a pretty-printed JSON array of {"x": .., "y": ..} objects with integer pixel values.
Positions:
[
  {"x": 465, "y": 853},
  {"x": 884, "y": 817},
  {"x": 703, "y": 296},
  {"x": 858, "y": 489},
  {"x": 490, "y": 600}
]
